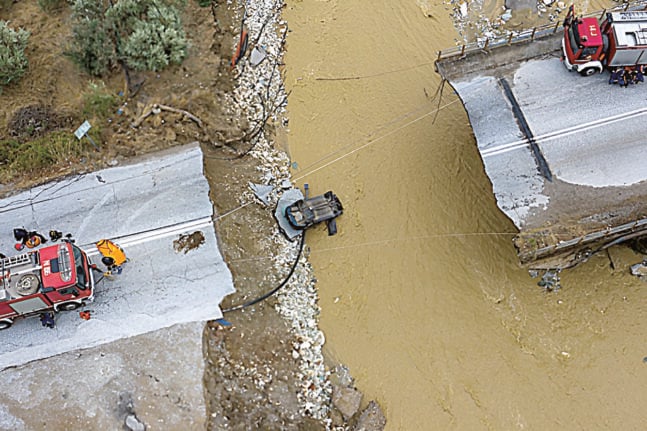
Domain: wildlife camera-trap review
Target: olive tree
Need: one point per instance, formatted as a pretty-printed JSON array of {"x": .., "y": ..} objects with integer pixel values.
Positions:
[
  {"x": 13, "y": 61},
  {"x": 151, "y": 34},
  {"x": 139, "y": 34}
]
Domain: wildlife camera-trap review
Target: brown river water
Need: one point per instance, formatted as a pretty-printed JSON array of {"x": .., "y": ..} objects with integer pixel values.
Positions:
[{"x": 421, "y": 292}]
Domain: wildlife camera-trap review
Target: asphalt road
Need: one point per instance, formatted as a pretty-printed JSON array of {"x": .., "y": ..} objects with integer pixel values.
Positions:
[
  {"x": 589, "y": 133},
  {"x": 144, "y": 207}
]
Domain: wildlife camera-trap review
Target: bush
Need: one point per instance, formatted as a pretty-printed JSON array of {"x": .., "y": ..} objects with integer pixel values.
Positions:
[
  {"x": 91, "y": 48},
  {"x": 151, "y": 34},
  {"x": 42, "y": 154},
  {"x": 98, "y": 102},
  {"x": 13, "y": 61},
  {"x": 143, "y": 34}
]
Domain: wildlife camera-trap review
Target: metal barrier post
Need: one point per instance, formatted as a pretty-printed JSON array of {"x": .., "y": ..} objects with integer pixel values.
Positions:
[
  {"x": 487, "y": 42},
  {"x": 463, "y": 50},
  {"x": 532, "y": 36}
]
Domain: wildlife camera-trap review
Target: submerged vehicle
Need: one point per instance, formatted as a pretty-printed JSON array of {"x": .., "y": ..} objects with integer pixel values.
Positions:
[
  {"x": 50, "y": 279},
  {"x": 308, "y": 212}
]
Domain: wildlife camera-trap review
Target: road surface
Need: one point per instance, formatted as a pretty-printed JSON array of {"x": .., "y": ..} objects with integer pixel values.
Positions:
[{"x": 144, "y": 207}]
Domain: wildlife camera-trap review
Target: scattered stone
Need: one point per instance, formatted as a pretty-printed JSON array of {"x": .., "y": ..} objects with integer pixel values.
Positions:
[
  {"x": 371, "y": 419},
  {"x": 257, "y": 56},
  {"x": 347, "y": 400},
  {"x": 259, "y": 98},
  {"x": 134, "y": 424},
  {"x": 341, "y": 376},
  {"x": 640, "y": 269},
  {"x": 550, "y": 280}
]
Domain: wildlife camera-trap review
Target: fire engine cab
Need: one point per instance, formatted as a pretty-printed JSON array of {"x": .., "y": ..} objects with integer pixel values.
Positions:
[
  {"x": 619, "y": 41},
  {"x": 54, "y": 278}
]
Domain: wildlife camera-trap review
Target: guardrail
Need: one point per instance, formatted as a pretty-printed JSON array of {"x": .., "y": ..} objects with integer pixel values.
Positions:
[
  {"x": 527, "y": 35},
  {"x": 622, "y": 232}
]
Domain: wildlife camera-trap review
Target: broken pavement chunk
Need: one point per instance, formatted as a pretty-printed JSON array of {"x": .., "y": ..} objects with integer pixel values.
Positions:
[{"x": 262, "y": 192}]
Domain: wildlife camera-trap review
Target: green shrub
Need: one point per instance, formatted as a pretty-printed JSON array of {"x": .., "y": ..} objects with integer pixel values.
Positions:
[
  {"x": 143, "y": 34},
  {"x": 98, "y": 102},
  {"x": 13, "y": 61},
  {"x": 151, "y": 34},
  {"x": 91, "y": 46},
  {"x": 40, "y": 155}
]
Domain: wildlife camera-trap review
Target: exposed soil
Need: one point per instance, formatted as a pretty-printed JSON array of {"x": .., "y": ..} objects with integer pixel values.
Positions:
[{"x": 49, "y": 97}]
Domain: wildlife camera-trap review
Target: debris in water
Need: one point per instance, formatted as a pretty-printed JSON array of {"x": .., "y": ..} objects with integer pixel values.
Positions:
[{"x": 550, "y": 280}]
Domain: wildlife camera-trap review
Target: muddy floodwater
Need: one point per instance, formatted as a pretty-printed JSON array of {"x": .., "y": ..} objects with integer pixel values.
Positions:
[{"x": 422, "y": 295}]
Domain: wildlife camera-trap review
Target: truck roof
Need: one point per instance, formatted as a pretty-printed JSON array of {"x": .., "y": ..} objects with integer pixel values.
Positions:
[
  {"x": 630, "y": 28},
  {"x": 589, "y": 30}
]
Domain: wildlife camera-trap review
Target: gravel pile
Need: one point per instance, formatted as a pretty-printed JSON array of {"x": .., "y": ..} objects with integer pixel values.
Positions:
[{"x": 260, "y": 99}]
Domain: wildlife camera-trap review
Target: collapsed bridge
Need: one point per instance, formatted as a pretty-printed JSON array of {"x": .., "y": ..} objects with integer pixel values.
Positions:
[{"x": 565, "y": 154}]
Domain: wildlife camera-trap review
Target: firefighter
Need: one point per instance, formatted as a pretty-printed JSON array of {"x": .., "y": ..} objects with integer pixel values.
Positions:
[
  {"x": 623, "y": 79},
  {"x": 638, "y": 74},
  {"x": 55, "y": 235},
  {"x": 113, "y": 256},
  {"x": 615, "y": 75},
  {"x": 47, "y": 319},
  {"x": 27, "y": 238}
]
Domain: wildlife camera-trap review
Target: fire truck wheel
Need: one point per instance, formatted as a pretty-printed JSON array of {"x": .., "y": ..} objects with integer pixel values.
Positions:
[
  {"x": 69, "y": 306},
  {"x": 5, "y": 324},
  {"x": 589, "y": 71}
]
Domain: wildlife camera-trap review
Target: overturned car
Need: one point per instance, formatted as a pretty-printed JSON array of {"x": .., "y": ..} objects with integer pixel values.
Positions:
[{"x": 308, "y": 212}]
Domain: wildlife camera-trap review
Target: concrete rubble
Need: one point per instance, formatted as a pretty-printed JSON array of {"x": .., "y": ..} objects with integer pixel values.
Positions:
[
  {"x": 473, "y": 25},
  {"x": 260, "y": 98}
]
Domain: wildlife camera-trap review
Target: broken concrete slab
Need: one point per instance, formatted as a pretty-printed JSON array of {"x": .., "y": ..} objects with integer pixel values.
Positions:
[
  {"x": 347, "y": 400},
  {"x": 371, "y": 419},
  {"x": 287, "y": 198}
]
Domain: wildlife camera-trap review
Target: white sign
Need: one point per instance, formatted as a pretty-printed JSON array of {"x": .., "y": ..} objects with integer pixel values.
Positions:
[{"x": 82, "y": 130}]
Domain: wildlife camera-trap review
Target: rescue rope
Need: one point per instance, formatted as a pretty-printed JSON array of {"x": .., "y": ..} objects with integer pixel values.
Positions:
[
  {"x": 371, "y": 142},
  {"x": 386, "y": 241},
  {"x": 374, "y": 75},
  {"x": 277, "y": 288}
]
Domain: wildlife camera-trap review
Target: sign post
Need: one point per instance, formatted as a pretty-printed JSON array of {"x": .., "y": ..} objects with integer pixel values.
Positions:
[{"x": 82, "y": 131}]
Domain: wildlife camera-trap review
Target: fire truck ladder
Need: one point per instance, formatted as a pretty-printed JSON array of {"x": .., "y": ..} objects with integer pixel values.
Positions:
[
  {"x": 11, "y": 261},
  {"x": 641, "y": 35},
  {"x": 6, "y": 264}
]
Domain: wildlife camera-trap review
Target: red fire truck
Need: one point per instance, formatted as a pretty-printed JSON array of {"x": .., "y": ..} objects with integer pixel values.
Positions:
[
  {"x": 54, "y": 278},
  {"x": 619, "y": 41}
]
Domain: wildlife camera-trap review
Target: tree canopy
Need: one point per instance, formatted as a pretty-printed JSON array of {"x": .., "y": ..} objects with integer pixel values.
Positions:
[
  {"x": 13, "y": 62},
  {"x": 141, "y": 34}
]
